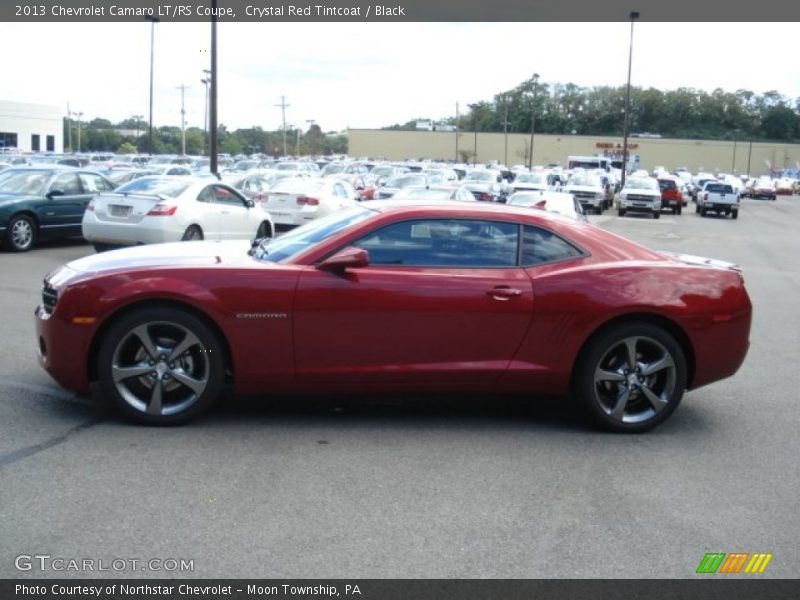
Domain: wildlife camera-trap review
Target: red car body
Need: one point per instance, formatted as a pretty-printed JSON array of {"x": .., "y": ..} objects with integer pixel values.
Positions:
[{"x": 295, "y": 327}]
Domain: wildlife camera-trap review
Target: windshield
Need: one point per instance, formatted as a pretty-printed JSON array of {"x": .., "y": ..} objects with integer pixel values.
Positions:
[
  {"x": 333, "y": 168},
  {"x": 479, "y": 176},
  {"x": 641, "y": 184},
  {"x": 23, "y": 182},
  {"x": 406, "y": 180},
  {"x": 584, "y": 179},
  {"x": 155, "y": 187},
  {"x": 289, "y": 245},
  {"x": 530, "y": 178}
]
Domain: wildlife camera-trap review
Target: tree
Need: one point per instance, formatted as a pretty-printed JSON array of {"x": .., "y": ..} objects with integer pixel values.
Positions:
[{"x": 126, "y": 148}]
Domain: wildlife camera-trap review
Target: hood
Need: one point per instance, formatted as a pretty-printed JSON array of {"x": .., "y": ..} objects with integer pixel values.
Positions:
[{"x": 176, "y": 254}]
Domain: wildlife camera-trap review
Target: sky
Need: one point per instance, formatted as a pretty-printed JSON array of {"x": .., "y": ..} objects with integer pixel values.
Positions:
[{"x": 371, "y": 75}]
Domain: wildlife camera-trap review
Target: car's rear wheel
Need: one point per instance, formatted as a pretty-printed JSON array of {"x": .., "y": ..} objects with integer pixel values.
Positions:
[
  {"x": 656, "y": 214},
  {"x": 21, "y": 233},
  {"x": 679, "y": 209},
  {"x": 103, "y": 247},
  {"x": 621, "y": 212},
  {"x": 631, "y": 378},
  {"x": 734, "y": 214},
  {"x": 192, "y": 234},
  {"x": 161, "y": 366}
]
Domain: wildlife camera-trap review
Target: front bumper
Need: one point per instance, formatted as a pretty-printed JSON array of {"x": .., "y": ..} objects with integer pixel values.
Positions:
[{"x": 63, "y": 350}]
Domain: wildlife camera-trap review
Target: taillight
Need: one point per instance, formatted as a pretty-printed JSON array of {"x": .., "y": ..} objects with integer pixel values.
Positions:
[
  {"x": 484, "y": 196},
  {"x": 162, "y": 210},
  {"x": 705, "y": 196},
  {"x": 260, "y": 197},
  {"x": 306, "y": 201},
  {"x": 90, "y": 206}
]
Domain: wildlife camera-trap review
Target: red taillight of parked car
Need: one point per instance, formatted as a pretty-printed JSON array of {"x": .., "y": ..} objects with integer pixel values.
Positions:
[
  {"x": 162, "y": 210},
  {"x": 306, "y": 201},
  {"x": 260, "y": 197},
  {"x": 485, "y": 197},
  {"x": 90, "y": 206}
]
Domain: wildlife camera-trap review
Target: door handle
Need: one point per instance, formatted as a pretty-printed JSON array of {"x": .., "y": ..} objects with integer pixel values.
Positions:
[{"x": 504, "y": 293}]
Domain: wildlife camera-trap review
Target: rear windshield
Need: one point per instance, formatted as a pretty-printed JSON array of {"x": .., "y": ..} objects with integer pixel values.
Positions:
[
  {"x": 666, "y": 184},
  {"x": 156, "y": 187},
  {"x": 719, "y": 188}
]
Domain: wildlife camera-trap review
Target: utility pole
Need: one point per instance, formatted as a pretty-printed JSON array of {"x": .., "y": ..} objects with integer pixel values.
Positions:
[
  {"x": 284, "y": 106},
  {"x": 153, "y": 20},
  {"x": 212, "y": 106},
  {"x": 533, "y": 119},
  {"x": 505, "y": 131},
  {"x": 456, "y": 131},
  {"x": 206, "y": 81},
  {"x": 69, "y": 128},
  {"x": 182, "y": 87},
  {"x": 79, "y": 115}
]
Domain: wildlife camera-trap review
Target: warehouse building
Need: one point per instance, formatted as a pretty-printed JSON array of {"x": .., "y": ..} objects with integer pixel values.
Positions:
[{"x": 30, "y": 127}]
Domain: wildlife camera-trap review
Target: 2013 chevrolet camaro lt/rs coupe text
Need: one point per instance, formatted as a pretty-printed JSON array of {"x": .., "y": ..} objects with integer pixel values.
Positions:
[{"x": 404, "y": 298}]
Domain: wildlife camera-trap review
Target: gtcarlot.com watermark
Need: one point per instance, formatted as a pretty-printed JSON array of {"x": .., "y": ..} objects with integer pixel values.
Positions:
[{"x": 58, "y": 564}]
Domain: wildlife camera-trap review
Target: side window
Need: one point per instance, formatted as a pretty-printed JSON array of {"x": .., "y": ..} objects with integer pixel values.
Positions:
[
  {"x": 207, "y": 195},
  {"x": 93, "y": 184},
  {"x": 223, "y": 195},
  {"x": 67, "y": 183},
  {"x": 540, "y": 246},
  {"x": 444, "y": 243},
  {"x": 339, "y": 191}
]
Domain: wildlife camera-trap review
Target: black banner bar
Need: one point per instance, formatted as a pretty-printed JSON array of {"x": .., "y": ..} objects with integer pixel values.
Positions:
[
  {"x": 397, "y": 10},
  {"x": 712, "y": 588}
]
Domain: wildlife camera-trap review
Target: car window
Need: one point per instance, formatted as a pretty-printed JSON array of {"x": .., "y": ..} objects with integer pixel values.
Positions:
[
  {"x": 67, "y": 183},
  {"x": 94, "y": 183},
  {"x": 541, "y": 246},
  {"x": 206, "y": 195},
  {"x": 444, "y": 243}
]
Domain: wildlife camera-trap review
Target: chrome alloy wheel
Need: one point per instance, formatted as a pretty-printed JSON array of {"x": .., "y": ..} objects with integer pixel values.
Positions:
[
  {"x": 22, "y": 234},
  {"x": 635, "y": 380},
  {"x": 160, "y": 368}
]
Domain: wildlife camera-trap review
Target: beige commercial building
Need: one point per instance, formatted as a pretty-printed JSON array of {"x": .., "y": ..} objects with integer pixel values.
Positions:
[{"x": 696, "y": 155}]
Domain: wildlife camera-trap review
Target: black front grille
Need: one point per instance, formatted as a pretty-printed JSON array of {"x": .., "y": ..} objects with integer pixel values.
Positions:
[{"x": 49, "y": 298}]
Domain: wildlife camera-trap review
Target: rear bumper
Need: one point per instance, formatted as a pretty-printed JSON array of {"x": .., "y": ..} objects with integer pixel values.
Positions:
[{"x": 127, "y": 234}]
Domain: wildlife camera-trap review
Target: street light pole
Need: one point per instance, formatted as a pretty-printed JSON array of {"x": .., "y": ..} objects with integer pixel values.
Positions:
[
  {"x": 633, "y": 16},
  {"x": 212, "y": 114},
  {"x": 182, "y": 87},
  {"x": 206, "y": 81},
  {"x": 138, "y": 119},
  {"x": 153, "y": 20},
  {"x": 533, "y": 119}
]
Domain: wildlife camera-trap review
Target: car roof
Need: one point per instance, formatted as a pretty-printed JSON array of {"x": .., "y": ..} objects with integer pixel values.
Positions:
[{"x": 487, "y": 208}]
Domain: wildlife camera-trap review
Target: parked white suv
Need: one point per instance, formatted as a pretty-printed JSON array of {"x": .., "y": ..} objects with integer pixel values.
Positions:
[
  {"x": 719, "y": 197},
  {"x": 640, "y": 194}
]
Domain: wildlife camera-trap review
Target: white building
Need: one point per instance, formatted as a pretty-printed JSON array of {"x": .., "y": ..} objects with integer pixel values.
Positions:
[{"x": 31, "y": 127}]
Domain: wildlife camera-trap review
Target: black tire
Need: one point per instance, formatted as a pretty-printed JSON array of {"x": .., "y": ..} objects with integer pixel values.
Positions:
[
  {"x": 103, "y": 247},
  {"x": 21, "y": 233},
  {"x": 656, "y": 214},
  {"x": 678, "y": 210},
  {"x": 703, "y": 212},
  {"x": 160, "y": 389},
  {"x": 734, "y": 214},
  {"x": 608, "y": 368},
  {"x": 193, "y": 233},
  {"x": 697, "y": 208},
  {"x": 264, "y": 230},
  {"x": 621, "y": 212}
]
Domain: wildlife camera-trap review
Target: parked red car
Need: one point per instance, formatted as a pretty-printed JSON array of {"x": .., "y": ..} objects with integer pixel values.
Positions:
[
  {"x": 398, "y": 297},
  {"x": 671, "y": 196}
]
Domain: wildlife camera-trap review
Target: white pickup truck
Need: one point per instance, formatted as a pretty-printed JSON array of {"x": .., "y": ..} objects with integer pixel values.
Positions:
[{"x": 719, "y": 197}]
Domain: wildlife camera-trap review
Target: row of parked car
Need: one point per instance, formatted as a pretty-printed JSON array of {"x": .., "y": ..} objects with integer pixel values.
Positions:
[{"x": 127, "y": 200}]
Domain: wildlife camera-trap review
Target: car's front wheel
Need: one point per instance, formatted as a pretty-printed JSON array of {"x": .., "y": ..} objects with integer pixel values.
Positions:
[
  {"x": 21, "y": 233},
  {"x": 161, "y": 366},
  {"x": 630, "y": 378}
]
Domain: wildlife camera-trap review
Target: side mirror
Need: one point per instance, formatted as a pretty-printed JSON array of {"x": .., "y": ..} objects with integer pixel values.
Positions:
[
  {"x": 249, "y": 203},
  {"x": 55, "y": 193},
  {"x": 348, "y": 258}
]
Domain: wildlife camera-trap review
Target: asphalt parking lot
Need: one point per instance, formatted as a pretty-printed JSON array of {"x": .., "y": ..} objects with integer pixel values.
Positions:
[{"x": 421, "y": 488}]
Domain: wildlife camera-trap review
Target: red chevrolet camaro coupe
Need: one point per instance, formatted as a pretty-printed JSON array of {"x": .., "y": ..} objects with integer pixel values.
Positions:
[{"x": 390, "y": 297}]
